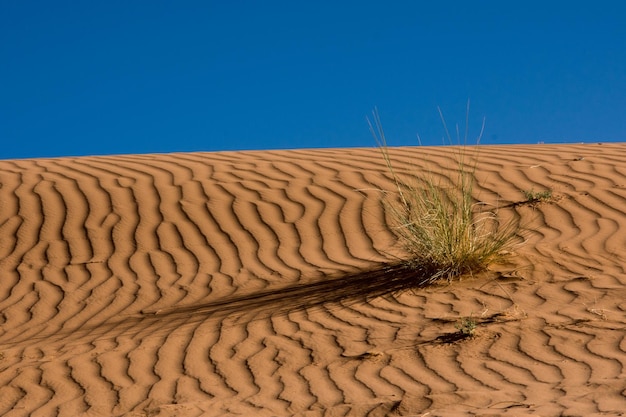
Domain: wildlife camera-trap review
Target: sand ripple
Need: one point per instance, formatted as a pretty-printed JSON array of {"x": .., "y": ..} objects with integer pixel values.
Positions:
[{"x": 254, "y": 283}]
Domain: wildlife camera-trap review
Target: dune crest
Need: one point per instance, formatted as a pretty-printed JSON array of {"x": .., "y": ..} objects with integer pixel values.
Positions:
[{"x": 259, "y": 283}]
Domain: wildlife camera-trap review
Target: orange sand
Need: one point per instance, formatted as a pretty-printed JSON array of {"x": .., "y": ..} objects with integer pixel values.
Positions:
[{"x": 201, "y": 284}]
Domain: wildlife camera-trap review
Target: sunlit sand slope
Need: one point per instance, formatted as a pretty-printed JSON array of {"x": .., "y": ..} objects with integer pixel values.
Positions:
[{"x": 250, "y": 283}]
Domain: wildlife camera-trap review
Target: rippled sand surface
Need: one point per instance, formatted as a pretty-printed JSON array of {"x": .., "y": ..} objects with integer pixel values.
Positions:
[{"x": 253, "y": 284}]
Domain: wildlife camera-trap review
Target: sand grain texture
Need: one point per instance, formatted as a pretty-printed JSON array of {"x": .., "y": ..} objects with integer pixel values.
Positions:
[{"x": 250, "y": 283}]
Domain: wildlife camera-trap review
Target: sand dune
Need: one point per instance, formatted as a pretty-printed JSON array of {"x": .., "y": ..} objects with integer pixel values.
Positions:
[{"x": 259, "y": 284}]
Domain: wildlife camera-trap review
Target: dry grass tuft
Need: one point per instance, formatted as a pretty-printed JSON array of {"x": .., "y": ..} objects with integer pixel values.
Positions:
[
  {"x": 533, "y": 196},
  {"x": 444, "y": 229}
]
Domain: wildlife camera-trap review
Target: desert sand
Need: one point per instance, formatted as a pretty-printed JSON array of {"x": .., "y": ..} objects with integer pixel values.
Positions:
[{"x": 253, "y": 284}]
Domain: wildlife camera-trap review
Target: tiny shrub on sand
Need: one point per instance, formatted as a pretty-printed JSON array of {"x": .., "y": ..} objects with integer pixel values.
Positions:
[
  {"x": 533, "y": 196},
  {"x": 444, "y": 230},
  {"x": 466, "y": 326}
]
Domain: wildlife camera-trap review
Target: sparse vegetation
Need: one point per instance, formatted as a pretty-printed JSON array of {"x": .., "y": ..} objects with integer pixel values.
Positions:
[
  {"x": 533, "y": 196},
  {"x": 466, "y": 326},
  {"x": 444, "y": 229}
]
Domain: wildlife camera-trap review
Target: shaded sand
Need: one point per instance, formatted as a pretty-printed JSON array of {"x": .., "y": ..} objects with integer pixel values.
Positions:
[{"x": 250, "y": 283}]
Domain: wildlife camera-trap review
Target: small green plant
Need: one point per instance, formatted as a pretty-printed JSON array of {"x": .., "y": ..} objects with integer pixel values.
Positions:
[
  {"x": 533, "y": 196},
  {"x": 466, "y": 326},
  {"x": 442, "y": 227}
]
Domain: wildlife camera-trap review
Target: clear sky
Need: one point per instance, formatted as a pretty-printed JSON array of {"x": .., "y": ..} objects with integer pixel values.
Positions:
[{"x": 118, "y": 77}]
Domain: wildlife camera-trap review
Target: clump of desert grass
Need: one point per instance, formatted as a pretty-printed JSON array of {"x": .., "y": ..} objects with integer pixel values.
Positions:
[
  {"x": 533, "y": 196},
  {"x": 445, "y": 230}
]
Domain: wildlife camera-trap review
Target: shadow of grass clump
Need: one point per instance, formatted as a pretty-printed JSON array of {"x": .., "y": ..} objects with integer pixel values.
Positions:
[
  {"x": 342, "y": 288},
  {"x": 381, "y": 280}
]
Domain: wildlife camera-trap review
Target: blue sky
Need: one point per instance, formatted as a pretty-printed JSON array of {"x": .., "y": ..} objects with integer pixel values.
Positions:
[{"x": 119, "y": 77}]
